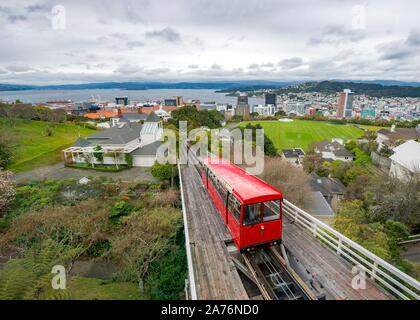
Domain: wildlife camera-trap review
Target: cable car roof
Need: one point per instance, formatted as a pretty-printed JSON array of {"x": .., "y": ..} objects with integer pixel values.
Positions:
[{"x": 245, "y": 186}]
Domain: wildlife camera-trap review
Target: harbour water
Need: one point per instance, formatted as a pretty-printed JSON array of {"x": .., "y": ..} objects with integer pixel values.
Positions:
[{"x": 41, "y": 96}]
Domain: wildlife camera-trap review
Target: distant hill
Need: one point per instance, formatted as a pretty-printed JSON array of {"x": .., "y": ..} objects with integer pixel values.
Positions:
[
  {"x": 370, "y": 89},
  {"x": 374, "y": 88},
  {"x": 219, "y": 85}
]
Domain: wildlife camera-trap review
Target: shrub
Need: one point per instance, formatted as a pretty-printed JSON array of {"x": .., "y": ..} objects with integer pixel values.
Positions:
[
  {"x": 167, "y": 276},
  {"x": 119, "y": 209},
  {"x": 129, "y": 160},
  {"x": 163, "y": 172},
  {"x": 98, "y": 154},
  {"x": 7, "y": 191},
  {"x": 7, "y": 147}
]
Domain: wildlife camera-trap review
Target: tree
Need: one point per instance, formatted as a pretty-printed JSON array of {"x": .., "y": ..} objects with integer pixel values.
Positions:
[
  {"x": 370, "y": 135},
  {"x": 392, "y": 199},
  {"x": 7, "y": 148},
  {"x": 98, "y": 154},
  {"x": 7, "y": 191},
  {"x": 351, "y": 221},
  {"x": 353, "y": 172},
  {"x": 369, "y": 147},
  {"x": 311, "y": 162},
  {"x": 254, "y": 115},
  {"x": 269, "y": 148},
  {"x": 164, "y": 172},
  {"x": 196, "y": 118},
  {"x": 386, "y": 151},
  {"x": 291, "y": 181}
]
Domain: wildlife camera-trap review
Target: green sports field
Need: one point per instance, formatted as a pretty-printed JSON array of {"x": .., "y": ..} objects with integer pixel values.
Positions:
[{"x": 302, "y": 133}]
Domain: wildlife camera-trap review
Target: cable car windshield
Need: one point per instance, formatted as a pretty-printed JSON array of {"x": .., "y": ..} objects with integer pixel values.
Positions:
[{"x": 261, "y": 212}]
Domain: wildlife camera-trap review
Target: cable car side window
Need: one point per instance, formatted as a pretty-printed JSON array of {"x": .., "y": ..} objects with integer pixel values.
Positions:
[
  {"x": 271, "y": 210},
  {"x": 234, "y": 207}
]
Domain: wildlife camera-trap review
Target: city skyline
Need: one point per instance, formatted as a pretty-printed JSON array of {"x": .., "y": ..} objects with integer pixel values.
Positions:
[{"x": 207, "y": 41}]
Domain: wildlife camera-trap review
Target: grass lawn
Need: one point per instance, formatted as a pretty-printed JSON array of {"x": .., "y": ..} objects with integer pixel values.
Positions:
[
  {"x": 95, "y": 289},
  {"x": 302, "y": 133},
  {"x": 371, "y": 128},
  {"x": 34, "y": 149}
]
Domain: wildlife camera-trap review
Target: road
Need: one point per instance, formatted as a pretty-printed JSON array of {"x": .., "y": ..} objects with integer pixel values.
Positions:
[{"x": 60, "y": 172}]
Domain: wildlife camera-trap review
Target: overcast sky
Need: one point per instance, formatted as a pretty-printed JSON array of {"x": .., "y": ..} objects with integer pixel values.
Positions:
[{"x": 189, "y": 40}]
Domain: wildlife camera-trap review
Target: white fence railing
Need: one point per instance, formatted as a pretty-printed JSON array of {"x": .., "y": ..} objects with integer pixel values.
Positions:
[
  {"x": 190, "y": 286},
  {"x": 390, "y": 277}
]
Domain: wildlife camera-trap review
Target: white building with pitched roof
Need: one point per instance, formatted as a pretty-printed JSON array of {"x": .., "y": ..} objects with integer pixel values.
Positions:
[
  {"x": 140, "y": 141},
  {"x": 405, "y": 162}
]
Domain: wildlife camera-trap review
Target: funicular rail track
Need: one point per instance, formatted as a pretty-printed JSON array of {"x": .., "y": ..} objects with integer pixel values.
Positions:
[{"x": 273, "y": 278}]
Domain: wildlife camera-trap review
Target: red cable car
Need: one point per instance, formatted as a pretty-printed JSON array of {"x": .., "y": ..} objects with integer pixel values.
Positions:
[{"x": 251, "y": 208}]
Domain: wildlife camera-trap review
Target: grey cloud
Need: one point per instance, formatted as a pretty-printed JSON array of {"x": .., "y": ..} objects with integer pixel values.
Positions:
[
  {"x": 413, "y": 38},
  {"x": 116, "y": 30},
  {"x": 167, "y": 34},
  {"x": 134, "y": 44},
  {"x": 158, "y": 71},
  {"x": 402, "y": 49},
  {"x": 19, "y": 69},
  {"x": 336, "y": 34},
  {"x": 37, "y": 7},
  {"x": 253, "y": 66},
  {"x": 128, "y": 69},
  {"x": 290, "y": 63},
  {"x": 13, "y": 18},
  {"x": 396, "y": 53}
]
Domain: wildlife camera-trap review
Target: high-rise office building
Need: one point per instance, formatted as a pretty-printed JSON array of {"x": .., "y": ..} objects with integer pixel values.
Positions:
[
  {"x": 243, "y": 110},
  {"x": 121, "y": 100},
  {"x": 271, "y": 99},
  {"x": 345, "y": 104},
  {"x": 243, "y": 100}
]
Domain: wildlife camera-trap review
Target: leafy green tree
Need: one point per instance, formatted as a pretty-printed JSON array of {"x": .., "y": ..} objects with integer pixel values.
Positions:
[
  {"x": 7, "y": 148},
  {"x": 98, "y": 154},
  {"x": 353, "y": 172},
  {"x": 129, "y": 160},
  {"x": 164, "y": 172},
  {"x": 269, "y": 148},
  {"x": 196, "y": 118}
]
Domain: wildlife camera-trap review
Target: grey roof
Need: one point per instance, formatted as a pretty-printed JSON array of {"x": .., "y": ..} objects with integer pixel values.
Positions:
[
  {"x": 152, "y": 117},
  {"x": 133, "y": 116},
  {"x": 293, "y": 153},
  {"x": 316, "y": 205},
  {"x": 81, "y": 142},
  {"x": 337, "y": 148},
  {"x": 401, "y": 134},
  {"x": 325, "y": 185},
  {"x": 120, "y": 134},
  {"x": 147, "y": 150}
]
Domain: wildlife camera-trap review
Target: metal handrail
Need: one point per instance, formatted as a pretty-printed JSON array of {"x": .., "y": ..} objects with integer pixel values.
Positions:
[{"x": 390, "y": 277}]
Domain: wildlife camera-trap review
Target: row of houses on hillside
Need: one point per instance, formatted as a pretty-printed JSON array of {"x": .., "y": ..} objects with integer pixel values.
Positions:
[{"x": 328, "y": 150}]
